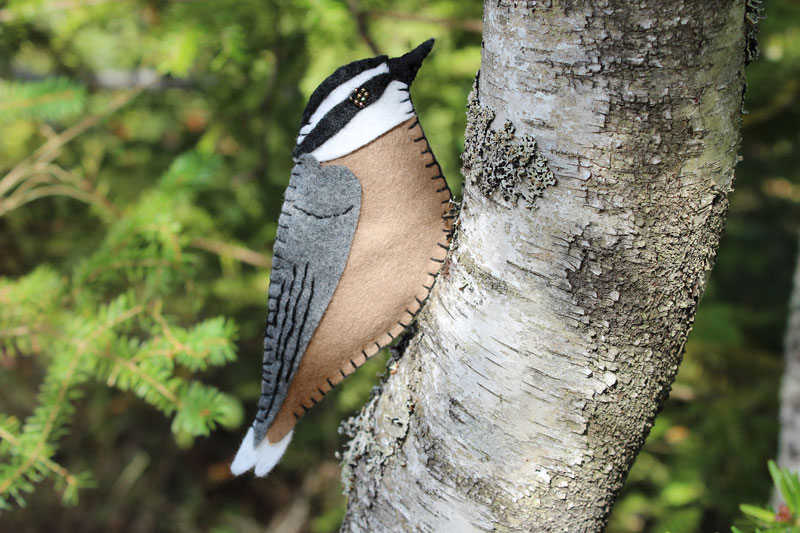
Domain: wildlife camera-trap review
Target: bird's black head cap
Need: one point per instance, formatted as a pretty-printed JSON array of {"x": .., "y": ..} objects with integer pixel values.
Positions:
[
  {"x": 405, "y": 67},
  {"x": 339, "y": 76}
]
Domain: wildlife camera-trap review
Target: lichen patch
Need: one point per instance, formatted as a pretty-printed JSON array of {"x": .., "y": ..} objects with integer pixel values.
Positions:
[{"x": 503, "y": 165}]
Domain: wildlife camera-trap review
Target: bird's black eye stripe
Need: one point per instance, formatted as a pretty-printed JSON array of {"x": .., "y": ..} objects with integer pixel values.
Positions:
[
  {"x": 338, "y": 117},
  {"x": 359, "y": 97},
  {"x": 341, "y": 75}
]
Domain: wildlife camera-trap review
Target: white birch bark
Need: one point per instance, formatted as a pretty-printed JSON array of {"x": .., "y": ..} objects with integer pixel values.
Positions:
[
  {"x": 557, "y": 327},
  {"x": 789, "y": 440}
]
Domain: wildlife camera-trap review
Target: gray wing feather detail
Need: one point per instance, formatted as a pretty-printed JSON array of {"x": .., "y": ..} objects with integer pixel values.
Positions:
[{"x": 315, "y": 231}]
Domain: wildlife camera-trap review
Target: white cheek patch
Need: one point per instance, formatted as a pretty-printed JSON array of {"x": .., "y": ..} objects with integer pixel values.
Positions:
[
  {"x": 338, "y": 95},
  {"x": 392, "y": 108}
]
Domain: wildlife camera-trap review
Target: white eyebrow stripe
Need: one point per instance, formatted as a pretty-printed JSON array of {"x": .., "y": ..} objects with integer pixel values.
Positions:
[
  {"x": 392, "y": 109},
  {"x": 338, "y": 95}
]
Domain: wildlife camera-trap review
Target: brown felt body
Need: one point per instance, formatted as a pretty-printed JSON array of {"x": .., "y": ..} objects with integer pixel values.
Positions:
[{"x": 398, "y": 248}]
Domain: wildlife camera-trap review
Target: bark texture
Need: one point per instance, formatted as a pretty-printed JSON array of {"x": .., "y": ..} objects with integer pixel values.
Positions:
[
  {"x": 600, "y": 151},
  {"x": 789, "y": 441}
]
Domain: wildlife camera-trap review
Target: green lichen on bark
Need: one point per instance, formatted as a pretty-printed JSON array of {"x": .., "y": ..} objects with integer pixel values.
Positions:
[
  {"x": 503, "y": 165},
  {"x": 360, "y": 429},
  {"x": 361, "y": 443}
]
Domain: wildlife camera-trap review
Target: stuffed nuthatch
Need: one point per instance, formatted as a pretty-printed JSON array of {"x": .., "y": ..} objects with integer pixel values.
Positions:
[{"x": 363, "y": 232}]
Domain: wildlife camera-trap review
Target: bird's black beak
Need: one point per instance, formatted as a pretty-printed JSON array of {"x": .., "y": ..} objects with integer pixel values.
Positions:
[{"x": 405, "y": 67}]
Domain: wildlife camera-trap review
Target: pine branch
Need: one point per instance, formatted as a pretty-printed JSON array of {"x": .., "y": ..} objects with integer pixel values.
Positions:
[
  {"x": 9, "y": 436},
  {"x": 56, "y": 398},
  {"x": 48, "y": 151},
  {"x": 48, "y": 99},
  {"x": 206, "y": 344},
  {"x": 143, "y": 384},
  {"x": 29, "y": 308},
  {"x": 131, "y": 343}
]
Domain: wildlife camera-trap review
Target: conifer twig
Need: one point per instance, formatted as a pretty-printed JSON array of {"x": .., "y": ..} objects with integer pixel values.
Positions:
[
  {"x": 36, "y": 454},
  {"x": 134, "y": 369},
  {"x": 51, "y": 465},
  {"x": 48, "y": 151}
]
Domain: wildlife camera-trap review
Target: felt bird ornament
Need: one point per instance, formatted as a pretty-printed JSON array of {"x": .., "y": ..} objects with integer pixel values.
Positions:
[{"x": 363, "y": 231}]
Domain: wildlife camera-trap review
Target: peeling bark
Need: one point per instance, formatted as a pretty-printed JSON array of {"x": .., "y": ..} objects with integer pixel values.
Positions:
[{"x": 552, "y": 338}]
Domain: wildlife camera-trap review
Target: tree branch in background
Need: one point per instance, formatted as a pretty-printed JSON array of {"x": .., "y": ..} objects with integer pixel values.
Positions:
[
  {"x": 48, "y": 179},
  {"x": 468, "y": 25},
  {"x": 37, "y": 177},
  {"x": 49, "y": 150},
  {"x": 360, "y": 18},
  {"x": 67, "y": 376},
  {"x": 240, "y": 253},
  {"x": 51, "y": 465},
  {"x": 115, "y": 79}
]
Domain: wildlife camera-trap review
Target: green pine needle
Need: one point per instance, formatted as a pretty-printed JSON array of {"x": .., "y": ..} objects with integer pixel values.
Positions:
[
  {"x": 110, "y": 323},
  {"x": 49, "y": 99}
]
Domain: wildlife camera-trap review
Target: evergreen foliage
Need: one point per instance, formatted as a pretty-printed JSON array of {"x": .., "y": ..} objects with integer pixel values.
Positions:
[
  {"x": 107, "y": 322},
  {"x": 144, "y": 149},
  {"x": 48, "y": 99},
  {"x": 142, "y": 161}
]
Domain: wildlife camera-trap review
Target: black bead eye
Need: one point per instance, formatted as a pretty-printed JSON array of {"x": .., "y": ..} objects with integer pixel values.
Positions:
[{"x": 359, "y": 97}]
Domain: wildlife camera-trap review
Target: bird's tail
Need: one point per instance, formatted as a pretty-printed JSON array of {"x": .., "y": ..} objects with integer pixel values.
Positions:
[{"x": 262, "y": 456}]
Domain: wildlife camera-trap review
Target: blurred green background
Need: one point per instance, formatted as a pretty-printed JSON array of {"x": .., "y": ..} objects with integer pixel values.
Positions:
[{"x": 167, "y": 203}]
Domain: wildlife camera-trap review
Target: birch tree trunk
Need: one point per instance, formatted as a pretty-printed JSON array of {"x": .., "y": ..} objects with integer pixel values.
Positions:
[
  {"x": 600, "y": 151},
  {"x": 789, "y": 440}
]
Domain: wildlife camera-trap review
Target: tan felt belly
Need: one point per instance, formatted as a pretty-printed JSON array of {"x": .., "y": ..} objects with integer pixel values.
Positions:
[{"x": 399, "y": 245}]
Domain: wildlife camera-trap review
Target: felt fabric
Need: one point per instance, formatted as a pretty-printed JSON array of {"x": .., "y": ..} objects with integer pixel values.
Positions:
[
  {"x": 363, "y": 233},
  {"x": 393, "y": 107},
  {"x": 342, "y": 114},
  {"x": 315, "y": 230},
  {"x": 397, "y": 250},
  {"x": 339, "y": 78},
  {"x": 260, "y": 456},
  {"x": 332, "y": 130},
  {"x": 405, "y": 67},
  {"x": 337, "y": 96}
]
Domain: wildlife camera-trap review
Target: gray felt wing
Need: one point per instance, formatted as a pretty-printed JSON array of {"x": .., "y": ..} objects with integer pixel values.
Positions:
[{"x": 315, "y": 230}]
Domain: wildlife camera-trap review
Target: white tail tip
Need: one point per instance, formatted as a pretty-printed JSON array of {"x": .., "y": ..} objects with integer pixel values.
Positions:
[{"x": 263, "y": 457}]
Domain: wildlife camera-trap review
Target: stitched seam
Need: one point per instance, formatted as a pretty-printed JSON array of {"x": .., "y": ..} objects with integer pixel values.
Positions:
[
  {"x": 433, "y": 277},
  {"x": 323, "y": 217}
]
